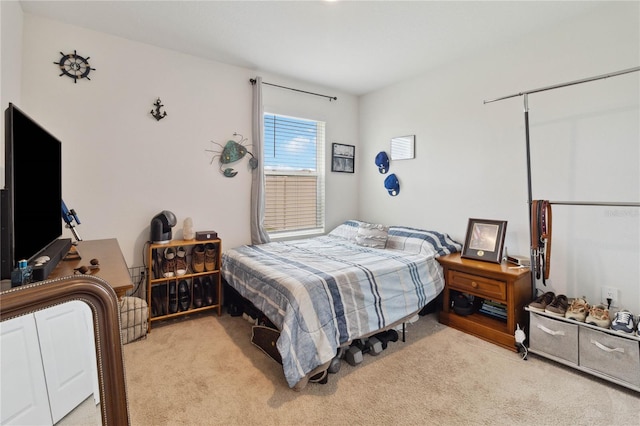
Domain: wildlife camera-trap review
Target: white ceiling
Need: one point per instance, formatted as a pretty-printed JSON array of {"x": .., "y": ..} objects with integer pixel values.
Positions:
[{"x": 353, "y": 46}]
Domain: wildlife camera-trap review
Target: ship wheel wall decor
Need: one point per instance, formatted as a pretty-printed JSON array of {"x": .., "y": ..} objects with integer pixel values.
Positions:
[{"x": 74, "y": 66}]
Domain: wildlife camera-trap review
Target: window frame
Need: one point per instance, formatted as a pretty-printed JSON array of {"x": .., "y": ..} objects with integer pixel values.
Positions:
[{"x": 319, "y": 174}]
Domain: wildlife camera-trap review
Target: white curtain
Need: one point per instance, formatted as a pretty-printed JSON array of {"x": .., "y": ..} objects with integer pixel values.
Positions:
[{"x": 258, "y": 234}]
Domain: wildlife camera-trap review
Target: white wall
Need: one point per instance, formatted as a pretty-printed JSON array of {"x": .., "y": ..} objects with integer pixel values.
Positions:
[
  {"x": 470, "y": 157},
  {"x": 121, "y": 166},
  {"x": 10, "y": 62}
]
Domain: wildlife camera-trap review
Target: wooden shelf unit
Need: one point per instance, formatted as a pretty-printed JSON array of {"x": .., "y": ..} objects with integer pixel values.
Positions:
[{"x": 156, "y": 251}]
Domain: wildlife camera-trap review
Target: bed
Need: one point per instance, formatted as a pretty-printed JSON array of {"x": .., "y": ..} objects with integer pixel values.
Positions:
[{"x": 324, "y": 292}]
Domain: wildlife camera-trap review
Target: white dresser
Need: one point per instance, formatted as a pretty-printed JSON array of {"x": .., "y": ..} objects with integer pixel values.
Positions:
[{"x": 48, "y": 364}]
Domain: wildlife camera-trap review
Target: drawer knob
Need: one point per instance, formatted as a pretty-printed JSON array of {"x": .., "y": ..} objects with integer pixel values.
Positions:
[{"x": 474, "y": 284}]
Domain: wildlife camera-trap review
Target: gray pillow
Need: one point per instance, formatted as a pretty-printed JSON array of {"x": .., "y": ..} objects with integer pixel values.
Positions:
[{"x": 372, "y": 235}]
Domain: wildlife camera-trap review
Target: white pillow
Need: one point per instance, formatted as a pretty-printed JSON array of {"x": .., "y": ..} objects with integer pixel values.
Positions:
[
  {"x": 347, "y": 230},
  {"x": 372, "y": 235}
]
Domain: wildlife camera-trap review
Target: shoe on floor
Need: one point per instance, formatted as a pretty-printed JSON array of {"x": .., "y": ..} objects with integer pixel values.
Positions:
[
  {"x": 623, "y": 321},
  {"x": 558, "y": 306},
  {"x": 578, "y": 309},
  {"x": 542, "y": 301},
  {"x": 598, "y": 315}
]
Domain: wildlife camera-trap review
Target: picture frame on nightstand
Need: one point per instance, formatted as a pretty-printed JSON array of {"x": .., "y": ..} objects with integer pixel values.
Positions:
[{"x": 484, "y": 240}]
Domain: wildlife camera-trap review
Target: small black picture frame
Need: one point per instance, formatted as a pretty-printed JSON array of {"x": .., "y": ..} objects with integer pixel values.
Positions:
[
  {"x": 343, "y": 158},
  {"x": 484, "y": 240}
]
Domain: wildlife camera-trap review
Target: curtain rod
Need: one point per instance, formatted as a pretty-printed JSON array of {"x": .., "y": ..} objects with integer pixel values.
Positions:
[
  {"x": 331, "y": 98},
  {"x": 571, "y": 83},
  {"x": 596, "y": 203}
]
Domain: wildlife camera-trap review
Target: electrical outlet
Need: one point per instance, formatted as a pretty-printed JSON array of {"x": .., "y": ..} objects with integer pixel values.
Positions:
[{"x": 610, "y": 293}]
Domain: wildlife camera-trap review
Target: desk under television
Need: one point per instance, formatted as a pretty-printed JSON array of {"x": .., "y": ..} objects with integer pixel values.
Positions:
[{"x": 113, "y": 268}]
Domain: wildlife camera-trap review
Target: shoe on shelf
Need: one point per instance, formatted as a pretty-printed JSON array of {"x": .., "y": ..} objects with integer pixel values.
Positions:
[
  {"x": 181, "y": 261},
  {"x": 623, "y": 321},
  {"x": 184, "y": 295},
  {"x": 558, "y": 306},
  {"x": 578, "y": 309},
  {"x": 208, "y": 290},
  {"x": 163, "y": 299},
  {"x": 197, "y": 258},
  {"x": 598, "y": 315},
  {"x": 173, "y": 298},
  {"x": 197, "y": 293},
  {"x": 542, "y": 301},
  {"x": 210, "y": 255},
  {"x": 169, "y": 262},
  {"x": 156, "y": 309}
]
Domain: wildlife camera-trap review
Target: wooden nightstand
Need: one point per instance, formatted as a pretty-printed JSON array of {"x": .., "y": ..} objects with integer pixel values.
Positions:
[{"x": 500, "y": 283}]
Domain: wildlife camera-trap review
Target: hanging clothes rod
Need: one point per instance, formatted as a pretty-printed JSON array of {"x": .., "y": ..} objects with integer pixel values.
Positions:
[
  {"x": 596, "y": 203},
  {"x": 331, "y": 98},
  {"x": 528, "y": 149},
  {"x": 571, "y": 83}
]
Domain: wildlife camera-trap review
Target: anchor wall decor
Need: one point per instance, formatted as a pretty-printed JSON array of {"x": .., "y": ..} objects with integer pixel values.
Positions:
[{"x": 156, "y": 113}]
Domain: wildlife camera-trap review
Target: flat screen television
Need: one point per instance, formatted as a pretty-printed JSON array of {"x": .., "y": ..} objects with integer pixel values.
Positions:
[{"x": 31, "y": 218}]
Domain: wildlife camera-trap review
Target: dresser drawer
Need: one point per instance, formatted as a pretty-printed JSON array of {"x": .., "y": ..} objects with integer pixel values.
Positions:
[
  {"x": 482, "y": 286},
  {"x": 614, "y": 356},
  {"x": 554, "y": 337}
]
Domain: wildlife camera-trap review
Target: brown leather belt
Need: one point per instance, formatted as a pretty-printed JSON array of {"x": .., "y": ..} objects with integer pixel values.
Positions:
[{"x": 541, "y": 237}]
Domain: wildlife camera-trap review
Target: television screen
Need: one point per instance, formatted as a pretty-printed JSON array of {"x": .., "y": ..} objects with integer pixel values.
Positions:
[{"x": 33, "y": 189}]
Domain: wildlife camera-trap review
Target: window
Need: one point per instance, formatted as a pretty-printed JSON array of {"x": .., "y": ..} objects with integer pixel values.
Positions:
[{"x": 294, "y": 175}]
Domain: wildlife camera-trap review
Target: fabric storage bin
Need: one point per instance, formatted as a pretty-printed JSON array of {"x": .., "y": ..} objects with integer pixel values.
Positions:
[
  {"x": 133, "y": 319},
  {"x": 609, "y": 354},
  {"x": 554, "y": 337}
]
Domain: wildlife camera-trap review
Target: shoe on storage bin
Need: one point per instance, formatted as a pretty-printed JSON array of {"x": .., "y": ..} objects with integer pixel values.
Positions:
[
  {"x": 623, "y": 321},
  {"x": 541, "y": 302},
  {"x": 598, "y": 315},
  {"x": 578, "y": 309},
  {"x": 558, "y": 306},
  {"x": 197, "y": 258},
  {"x": 169, "y": 262}
]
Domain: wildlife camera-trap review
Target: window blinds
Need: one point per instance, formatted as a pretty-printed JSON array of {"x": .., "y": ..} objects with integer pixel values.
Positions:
[{"x": 294, "y": 174}]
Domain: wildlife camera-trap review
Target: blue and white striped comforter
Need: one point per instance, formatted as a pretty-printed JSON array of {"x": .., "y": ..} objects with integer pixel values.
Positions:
[{"x": 325, "y": 291}]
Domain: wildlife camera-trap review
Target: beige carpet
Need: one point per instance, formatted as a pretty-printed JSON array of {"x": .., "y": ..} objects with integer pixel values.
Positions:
[{"x": 204, "y": 370}]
